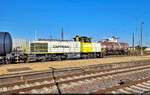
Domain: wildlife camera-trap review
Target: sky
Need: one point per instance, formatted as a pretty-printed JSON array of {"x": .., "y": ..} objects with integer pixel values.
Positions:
[{"x": 97, "y": 19}]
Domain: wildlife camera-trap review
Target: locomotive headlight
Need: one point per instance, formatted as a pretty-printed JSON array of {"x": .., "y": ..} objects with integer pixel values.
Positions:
[
  {"x": 1, "y": 57},
  {"x": 8, "y": 57}
]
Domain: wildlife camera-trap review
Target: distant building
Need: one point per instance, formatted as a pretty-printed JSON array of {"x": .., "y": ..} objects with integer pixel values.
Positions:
[
  {"x": 112, "y": 39},
  {"x": 147, "y": 49}
]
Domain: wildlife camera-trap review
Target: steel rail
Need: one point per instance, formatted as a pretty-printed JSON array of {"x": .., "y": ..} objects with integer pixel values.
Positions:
[
  {"x": 69, "y": 75},
  {"x": 121, "y": 86},
  {"x": 71, "y": 69},
  {"x": 69, "y": 81}
]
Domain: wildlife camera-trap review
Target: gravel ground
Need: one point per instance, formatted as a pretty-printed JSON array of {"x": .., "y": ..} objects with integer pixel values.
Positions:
[
  {"x": 99, "y": 83},
  {"x": 68, "y": 63},
  {"x": 94, "y": 85}
]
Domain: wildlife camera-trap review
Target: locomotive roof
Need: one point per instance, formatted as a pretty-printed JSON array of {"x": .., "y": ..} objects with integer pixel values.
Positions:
[{"x": 52, "y": 40}]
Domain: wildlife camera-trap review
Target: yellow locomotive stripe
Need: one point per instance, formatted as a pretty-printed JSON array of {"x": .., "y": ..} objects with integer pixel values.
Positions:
[{"x": 86, "y": 47}]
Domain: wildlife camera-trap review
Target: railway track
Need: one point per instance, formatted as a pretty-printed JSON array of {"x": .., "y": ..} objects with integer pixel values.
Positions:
[
  {"x": 53, "y": 84},
  {"x": 140, "y": 86},
  {"x": 36, "y": 74}
]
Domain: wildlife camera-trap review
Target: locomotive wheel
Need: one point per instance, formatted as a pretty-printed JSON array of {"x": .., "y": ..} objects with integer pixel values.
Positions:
[
  {"x": 102, "y": 55},
  {"x": 49, "y": 59},
  {"x": 89, "y": 56},
  {"x": 84, "y": 56},
  {"x": 94, "y": 56},
  {"x": 8, "y": 62},
  {"x": 26, "y": 60},
  {"x": 43, "y": 59},
  {"x": 58, "y": 58},
  {"x": 64, "y": 58}
]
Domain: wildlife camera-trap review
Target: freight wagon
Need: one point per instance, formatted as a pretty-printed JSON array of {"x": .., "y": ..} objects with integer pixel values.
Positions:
[{"x": 111, "y": 48}]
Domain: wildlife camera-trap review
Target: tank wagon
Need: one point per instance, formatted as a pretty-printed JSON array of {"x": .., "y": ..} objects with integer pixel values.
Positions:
[
  {"x": 111, "y": 48},
  {"x": 5, "y": 46}
]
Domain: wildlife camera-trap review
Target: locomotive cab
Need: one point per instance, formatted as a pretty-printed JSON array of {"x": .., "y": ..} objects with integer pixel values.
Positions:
[
  {"x": 86, "y": 44},
  {"x": 82, "y": 39},
  {"x": 88, "y": 49}
]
